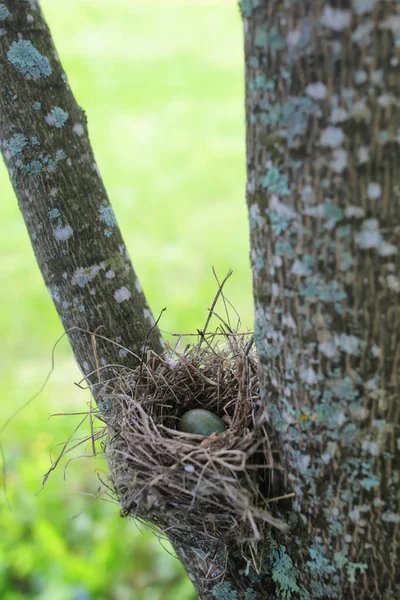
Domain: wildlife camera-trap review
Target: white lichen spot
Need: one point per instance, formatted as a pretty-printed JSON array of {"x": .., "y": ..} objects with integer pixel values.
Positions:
[
  {"x": 327, "y": 348},
  {"x": 255, "y": 218},
  {"x": 138, "y": 286},
  {"x": 332, "y": 137},
  {"x": 83, "y": 275},
  {"x": 78, "y": 129},
  {"x": 361, "y": 7},
  {"x": 354, "y": 514},
  {"x": 69, "y": 162},
  {"x": 386, "y": 99},
  {"x": 372, "y": 448},
  {"x": 277, "y": 261},
  {"x": 357, "y": 412},
  {"x": 314, "y": 211},
  {"x": 360, "y": 77},
  {"x": 370, "y": 236},
  {"x": 363, "y": 154},
  {"x": 386, "y": 249},
  {"x": 392, "y": 23},
  {"x": 148, "y": 316},
  {"x": 122, "y": 294},
  {"x": 375, "y": 351},
  {"x": 54, "y": 292},
  {"x": 307, "y": 194},
  {"x": 361, "y": 35},
  {"x": 300, "y": 269},
  {"x": 62, "y": 234},
  {"x": 53, "y": 192},
  {"x": 303, "y": 462},
  {"x": 348, "y": 538},
  {"x": 354, "y": 211},
  {"x": 336, "y": 46},
  {"x": 309, "y": 376},
  {"x": 377, "y": 77},
  {"x": 374, "y": 190},
  {"x": 326, "y": 458},
  {"x": 317, "y": 90},
  {"x": 340, "y": 418},
  {"x": 340, "y": 160},
  {"x": 275, "y": 290},
  {"x": 123, "y": 352},
  {"x": 361, "y": 111},
  {"x": 338, "y": 115},
  {"x": 391, "y": 517},
  {"x": 288, "y": 321},
  {"x": 251, "y": 184},
  {"x": 293, "y": 37},
  {"x": 349, "y": 344},
  {"x": 29, "y": 18},
  {"x": 282, "y": 209},
  {"x": 393, "y": 283},
  {"x": 85, "y": 366},
  {"x": 110, "y": 274},
  {"x": 189, "y": 468},
  {"x": 103, "y": 362},
  {"x": 336, "y": 19}
]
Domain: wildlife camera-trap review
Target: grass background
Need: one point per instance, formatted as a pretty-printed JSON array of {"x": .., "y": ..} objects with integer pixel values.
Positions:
[{"x": 162, "y": 87}]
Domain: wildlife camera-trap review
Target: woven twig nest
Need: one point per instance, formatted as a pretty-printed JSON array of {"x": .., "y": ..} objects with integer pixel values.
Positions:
[{"x": 189, "y": 486}]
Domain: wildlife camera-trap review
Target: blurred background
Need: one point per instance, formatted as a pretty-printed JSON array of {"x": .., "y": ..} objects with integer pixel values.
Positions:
[{"x": 162, "y": 86}]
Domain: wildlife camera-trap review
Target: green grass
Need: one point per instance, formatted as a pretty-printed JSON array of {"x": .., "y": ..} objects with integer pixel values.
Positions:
[{"x": 162, "y": 86}]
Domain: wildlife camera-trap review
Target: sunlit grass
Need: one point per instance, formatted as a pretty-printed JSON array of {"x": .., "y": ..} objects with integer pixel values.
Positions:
[{"x": 162, "y": 86}]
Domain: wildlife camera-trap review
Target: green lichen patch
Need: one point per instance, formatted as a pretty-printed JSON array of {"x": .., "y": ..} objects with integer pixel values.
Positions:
[{"x": 28, "y": 60}]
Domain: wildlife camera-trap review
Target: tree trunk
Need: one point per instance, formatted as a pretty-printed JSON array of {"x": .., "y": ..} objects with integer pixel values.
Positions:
[{"x": 323, "y": 193}]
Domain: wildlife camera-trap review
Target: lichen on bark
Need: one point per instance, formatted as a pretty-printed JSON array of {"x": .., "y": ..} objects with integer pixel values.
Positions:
[
  {"x": 323, "y": 193},
  {"x": 74, "y": 232}
]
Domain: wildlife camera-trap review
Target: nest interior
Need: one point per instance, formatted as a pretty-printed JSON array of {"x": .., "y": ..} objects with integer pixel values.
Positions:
[{"x": 192, "y": 487}]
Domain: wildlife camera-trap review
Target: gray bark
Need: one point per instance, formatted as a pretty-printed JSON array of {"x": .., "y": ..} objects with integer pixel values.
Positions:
[
  {"x": 71, "y": 224},
  {"x": 323, "y": 193}
]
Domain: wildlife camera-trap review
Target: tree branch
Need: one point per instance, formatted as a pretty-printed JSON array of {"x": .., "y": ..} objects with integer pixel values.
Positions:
[{"x": 71, "y": 224}]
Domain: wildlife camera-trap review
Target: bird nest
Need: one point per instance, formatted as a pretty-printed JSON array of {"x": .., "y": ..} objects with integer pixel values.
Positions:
[{"x": 221, "y": 487}]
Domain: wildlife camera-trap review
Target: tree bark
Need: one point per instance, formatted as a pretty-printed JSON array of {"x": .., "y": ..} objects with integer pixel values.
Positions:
[
  {"x": 71, "y": 224},
  {"x": 323, "y": 193}
]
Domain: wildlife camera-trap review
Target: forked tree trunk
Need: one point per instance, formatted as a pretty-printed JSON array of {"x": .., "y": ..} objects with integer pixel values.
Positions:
[{"x": 323, "y": 135}]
